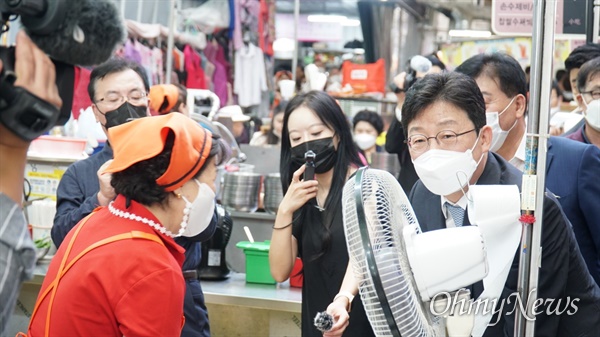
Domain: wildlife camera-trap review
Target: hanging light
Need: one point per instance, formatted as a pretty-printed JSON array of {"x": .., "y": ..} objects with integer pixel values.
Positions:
[
  {"x": 469, "y": 33},
  {"x": 327, "y": 18}
]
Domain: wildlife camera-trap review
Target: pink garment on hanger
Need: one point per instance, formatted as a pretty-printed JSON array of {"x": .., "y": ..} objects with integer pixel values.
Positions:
[
  {"x": 131, "y": 53},
  {"x": 146, "y": 59},
  {"x": 246, "y": 12},
  {"x": 158, "y": 75},
  {"x": 195, "y": 73},
  {"x": 219, "y": 78},
  {"x": 237, "y": 27},
  {"x": 81, "y": 98}
]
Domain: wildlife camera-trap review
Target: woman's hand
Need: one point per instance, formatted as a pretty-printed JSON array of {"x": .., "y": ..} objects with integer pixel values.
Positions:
[
  {"x": 298, "y": 193},
  {"x": 337, "y": 309}
]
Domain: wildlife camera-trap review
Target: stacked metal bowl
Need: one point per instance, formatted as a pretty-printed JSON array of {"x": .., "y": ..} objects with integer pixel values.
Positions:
[
  {"x": 273, "y": 193},
  {"x": 241, "y": 191}
]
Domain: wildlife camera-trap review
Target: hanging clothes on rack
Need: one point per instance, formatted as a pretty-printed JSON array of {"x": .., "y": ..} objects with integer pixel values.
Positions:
[
  {"x": 130, "y": 52},
  {"x": 178, "y": 71},
  {"x": 81, "y": 98},
  {"x": 158, "y": 75},
  {"x": 146, "y": 62},
  {"x": 195, "y": 74},
  {"x": 209, "y": 69},
  {"x": 247, "y": 13},
  {"x": 266, "y": 26},
  {"x": 250, "y": 78},
  {"x": 219, "y": 78}
]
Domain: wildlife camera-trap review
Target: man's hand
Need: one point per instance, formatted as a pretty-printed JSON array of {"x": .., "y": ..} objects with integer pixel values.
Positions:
[
  {"x": 556, "y": 130},
  {"x": 35, "y": 73},
  {"x": 399, "y": 82},
  {"x": 107, "y": 192}
]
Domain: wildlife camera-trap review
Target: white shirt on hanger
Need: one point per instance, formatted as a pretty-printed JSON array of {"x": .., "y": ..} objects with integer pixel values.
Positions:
[{"x": 250, "y": 78}]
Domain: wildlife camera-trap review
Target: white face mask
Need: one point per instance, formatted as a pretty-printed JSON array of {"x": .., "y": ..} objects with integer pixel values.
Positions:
[
  {"x": 444, "y": 172},
  {"x": 592, "y": 113},
  {"x": 365, "y": 141},
  {"x": 198, "y": 215},
  {"x": 498, "y": 135},
  {"x": 398, "y": 112}
]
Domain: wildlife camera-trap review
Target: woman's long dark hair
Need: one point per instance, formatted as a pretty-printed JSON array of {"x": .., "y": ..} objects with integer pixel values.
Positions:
[
  {"x": 272, "y": 139},
  {"x": 330, "y": 113}
]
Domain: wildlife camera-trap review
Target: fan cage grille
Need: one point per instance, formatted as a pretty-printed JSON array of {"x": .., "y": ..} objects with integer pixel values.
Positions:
[{"x": 387, "y": 211}]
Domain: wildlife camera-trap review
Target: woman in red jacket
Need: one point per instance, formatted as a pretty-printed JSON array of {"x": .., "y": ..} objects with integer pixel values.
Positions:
[{"x": 118, "y": 272}]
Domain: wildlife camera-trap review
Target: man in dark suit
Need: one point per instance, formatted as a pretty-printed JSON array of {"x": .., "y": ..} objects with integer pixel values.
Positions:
[
  {"x": 571, "y": 168},
  {"x": 449, "y": 143}
]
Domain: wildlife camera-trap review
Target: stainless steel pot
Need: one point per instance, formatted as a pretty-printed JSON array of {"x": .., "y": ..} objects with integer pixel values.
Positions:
[
  {"x": 221, "y": 170},
  {"x": 241, "y": 191},
  {"x": 273, "y": 193}
]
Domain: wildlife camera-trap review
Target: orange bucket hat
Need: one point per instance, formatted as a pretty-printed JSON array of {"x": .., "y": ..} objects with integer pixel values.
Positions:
[
  {"x": 159, "y": 94},
  {"x": 145, "y": 138}
]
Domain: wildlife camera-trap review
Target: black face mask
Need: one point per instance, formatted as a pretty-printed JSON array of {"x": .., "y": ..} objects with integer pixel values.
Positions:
[
  {"x": 323, "y": 148},
  {"x": 123, "y": 114}
]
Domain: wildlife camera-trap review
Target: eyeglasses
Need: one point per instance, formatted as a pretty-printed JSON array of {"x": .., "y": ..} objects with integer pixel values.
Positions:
[
  {"x": 594, "y": 93},
  {"x": 445, "y": 139},
  {"x": 114, "y": 100}
]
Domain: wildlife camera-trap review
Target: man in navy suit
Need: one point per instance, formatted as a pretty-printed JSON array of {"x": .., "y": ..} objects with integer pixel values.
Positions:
[
  {"x": 571, "y": 168},
  {"x": 449, "y": 143}
]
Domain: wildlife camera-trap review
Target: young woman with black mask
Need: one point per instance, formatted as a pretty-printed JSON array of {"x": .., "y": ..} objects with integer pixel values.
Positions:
[{"x": 309, "y": 220}]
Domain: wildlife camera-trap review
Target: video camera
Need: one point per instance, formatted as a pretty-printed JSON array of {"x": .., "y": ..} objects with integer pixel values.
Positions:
[
  {"x": 25, "y": 114},
  {"x": 416, "y": 64},
  {"x": 71, "y": 32}
]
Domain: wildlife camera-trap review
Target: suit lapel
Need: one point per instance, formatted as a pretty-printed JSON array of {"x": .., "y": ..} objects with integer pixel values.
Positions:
[{"x": 429, "y": 210}]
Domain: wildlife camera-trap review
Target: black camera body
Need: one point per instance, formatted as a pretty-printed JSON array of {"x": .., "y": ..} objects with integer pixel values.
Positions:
[
  {"x": 25, "y": 114},
  {"x": 71, "y": 32},
  {"x": 416, "y": 63}
]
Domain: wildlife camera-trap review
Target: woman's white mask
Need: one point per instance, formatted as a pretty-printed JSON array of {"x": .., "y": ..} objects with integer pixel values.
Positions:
[
  {"x": 444, "y": 172},
  {"x": 365, "y": 141},
  {"x": 197, "y": 215},
  {"x": 498, "y": 135}
]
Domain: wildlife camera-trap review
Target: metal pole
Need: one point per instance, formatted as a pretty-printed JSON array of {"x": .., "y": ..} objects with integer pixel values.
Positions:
[
  {"x": 544, "y": 16},
  {"x": 589, "y": 22},
  {"x": 155, "y": 12},
  {"x": 296, "y": 22},
  {"x": 395, "y": 41},
  {"x": 171, "y": 41},
  {"x": 596, "y": 33},
  {"x": 139, "y": 10},
  {"x": 123, "y": 8}
]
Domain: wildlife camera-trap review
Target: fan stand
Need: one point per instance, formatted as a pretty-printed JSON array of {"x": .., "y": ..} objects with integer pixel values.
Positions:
[{"x": 457, "y": 324}]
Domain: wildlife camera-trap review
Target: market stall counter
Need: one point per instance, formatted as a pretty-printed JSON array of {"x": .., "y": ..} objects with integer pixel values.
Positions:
[{"x": 235, "y": 308}]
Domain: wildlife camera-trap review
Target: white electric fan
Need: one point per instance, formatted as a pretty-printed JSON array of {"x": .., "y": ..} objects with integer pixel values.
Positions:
[{"x": 398, "y": 268}]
